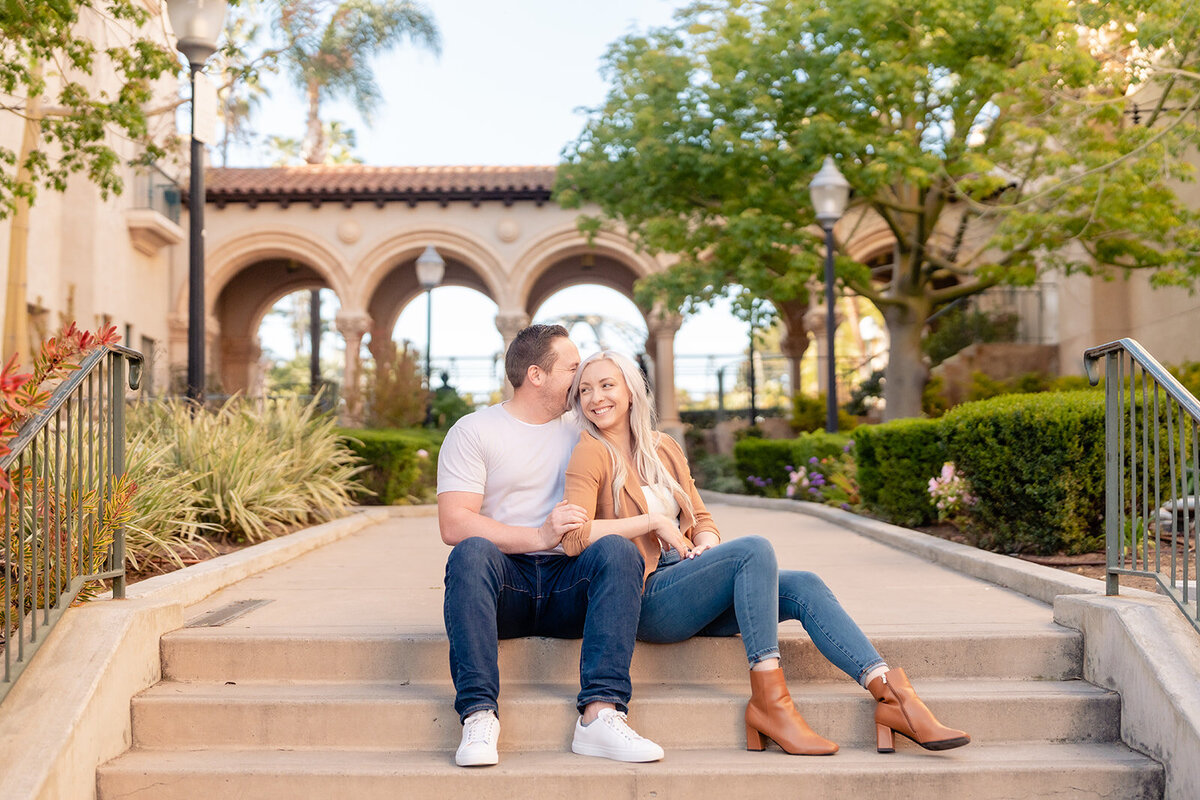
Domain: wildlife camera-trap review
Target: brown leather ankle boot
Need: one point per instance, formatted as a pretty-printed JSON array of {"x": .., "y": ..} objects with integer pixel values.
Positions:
[
  {"x": 770, "y": 713},
  {"x": 899, "y": 710}
]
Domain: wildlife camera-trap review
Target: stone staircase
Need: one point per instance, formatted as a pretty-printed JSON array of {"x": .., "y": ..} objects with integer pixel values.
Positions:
[{"x": 312, "y": 712}]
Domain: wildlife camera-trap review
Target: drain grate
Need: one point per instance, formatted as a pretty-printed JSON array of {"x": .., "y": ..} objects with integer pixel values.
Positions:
[{"x": 226, "y": 613}]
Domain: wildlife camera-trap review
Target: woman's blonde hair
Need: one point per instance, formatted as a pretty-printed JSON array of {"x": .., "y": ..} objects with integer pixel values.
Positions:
[{"x": 642, "y": 419}]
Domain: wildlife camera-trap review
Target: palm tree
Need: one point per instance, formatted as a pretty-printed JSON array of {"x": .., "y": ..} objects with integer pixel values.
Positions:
[
  {"x": 339, "y": 147},
  {"x": 328, "y": 46}
]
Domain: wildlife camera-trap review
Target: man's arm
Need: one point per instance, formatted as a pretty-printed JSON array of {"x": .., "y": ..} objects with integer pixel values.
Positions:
[{"x": 459, "y": 518}]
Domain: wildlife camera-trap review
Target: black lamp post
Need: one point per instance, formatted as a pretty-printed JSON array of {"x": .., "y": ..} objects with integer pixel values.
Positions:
[
  {"x": 197, "y": 24},
  {"x": 430, "y": 269},
  {"x": 830, "y": 192}
]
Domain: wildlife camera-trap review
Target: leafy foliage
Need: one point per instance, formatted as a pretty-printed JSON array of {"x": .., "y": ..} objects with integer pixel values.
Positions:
[
  {"x": 989, "y": 138},
  {"x": 53, "y": 51},
  {"x": 808, "y": 414},
  {"x": 327, "y": 49},
  {"x": 956, "y": 329},
  {"x": 1035, "y": 463},
  {"x": 401, "y": 465},
  {"x": 895, "y": 461},
  {"x": 775, "y": 458},
  {"x": 395, "y": 393},
  {"x": 45, "y": 506}
]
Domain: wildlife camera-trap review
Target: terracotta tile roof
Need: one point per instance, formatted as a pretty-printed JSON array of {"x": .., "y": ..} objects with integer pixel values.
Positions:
[{"x": 351, "y": 182}]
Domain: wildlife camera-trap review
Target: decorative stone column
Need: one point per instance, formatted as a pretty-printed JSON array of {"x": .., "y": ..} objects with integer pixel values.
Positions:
[
  {"x": 794, "y": 342},
  {"x": 660, "y": 343},
  {"x": 509, "y": 323},
  {"x": 214, "y": 354},
  {"x": 177, "y": 329},
  {"x": 352, "y": 325},
  {"x": 816, "y": 322},
  {"x": 239, "y": 365}
]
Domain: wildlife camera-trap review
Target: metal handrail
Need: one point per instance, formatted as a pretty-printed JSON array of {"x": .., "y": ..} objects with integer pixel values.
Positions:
[
  {"x": 1148, "y": 441},
  {"x": 67, "y": 469}
]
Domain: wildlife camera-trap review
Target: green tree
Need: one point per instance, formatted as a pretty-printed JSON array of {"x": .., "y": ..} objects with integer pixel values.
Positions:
[
  {"x": 67, "y": 117},
  {"x": 328, "y": 46},
  {"x": 52, "y": 53},
  {"x": 988, "y": 137},
  {"x": 339, "y": 147},
  {"x": 242, "y": 92}
]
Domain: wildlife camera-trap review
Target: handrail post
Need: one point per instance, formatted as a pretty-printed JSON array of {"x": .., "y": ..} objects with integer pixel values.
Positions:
[
  {"x": 117, "y": 375},
  {"x": 1112, "y": 513}
]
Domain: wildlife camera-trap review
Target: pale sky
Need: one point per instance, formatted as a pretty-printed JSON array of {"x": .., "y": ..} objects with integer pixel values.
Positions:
[{"x": 508, "y": 89}]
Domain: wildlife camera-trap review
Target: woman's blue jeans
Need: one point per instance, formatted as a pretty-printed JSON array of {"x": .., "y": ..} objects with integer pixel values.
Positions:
[
  {"x": 492, "y": 596},
  {"x": 737, "y": 587}
]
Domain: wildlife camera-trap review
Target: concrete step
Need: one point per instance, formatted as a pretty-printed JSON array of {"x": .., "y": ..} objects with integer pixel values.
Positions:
[
  {"x": 978, "y": 771},
  {"x": 416, "y": 716},
  {"x": 1046, "y": 652}
]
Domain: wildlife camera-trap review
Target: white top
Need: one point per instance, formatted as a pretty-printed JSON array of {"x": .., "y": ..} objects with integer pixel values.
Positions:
[
  {"x": 519, "y": 468},
  {"x": 661, "y": 501}
]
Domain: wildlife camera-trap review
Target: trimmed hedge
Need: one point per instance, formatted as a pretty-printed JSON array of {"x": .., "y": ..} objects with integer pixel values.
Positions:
[
  {"x": 895, "y": 462},
  {"x": 395, "y": 473},
  {"x": 770, "y": 458},
  {"x": 1035, "y": 463}
]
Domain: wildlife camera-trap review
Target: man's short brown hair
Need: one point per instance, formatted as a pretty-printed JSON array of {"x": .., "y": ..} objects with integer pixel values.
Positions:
[{"x": 533, "y": 345}]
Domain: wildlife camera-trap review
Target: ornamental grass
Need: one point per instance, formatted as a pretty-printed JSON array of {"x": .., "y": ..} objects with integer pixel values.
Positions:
[{"x": 246, "y": 471}]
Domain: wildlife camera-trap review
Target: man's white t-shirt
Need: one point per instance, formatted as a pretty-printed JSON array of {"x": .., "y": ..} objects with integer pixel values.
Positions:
[{"x": 519, "y": 468}]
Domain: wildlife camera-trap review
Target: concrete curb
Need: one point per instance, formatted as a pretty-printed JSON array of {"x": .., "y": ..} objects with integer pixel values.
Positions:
[
  {"x": 1033, "y": 580},
  {"x": 69, "y": 712}
]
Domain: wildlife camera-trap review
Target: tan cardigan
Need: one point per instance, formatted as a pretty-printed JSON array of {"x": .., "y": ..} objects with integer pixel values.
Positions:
[{"x": 589, "y": 484}]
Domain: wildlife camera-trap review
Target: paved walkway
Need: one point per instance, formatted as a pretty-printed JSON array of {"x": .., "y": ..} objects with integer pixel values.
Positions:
[{"x": 387, "y": 578}]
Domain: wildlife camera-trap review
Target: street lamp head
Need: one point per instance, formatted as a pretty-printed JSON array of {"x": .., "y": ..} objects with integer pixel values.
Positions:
[
  {"x": 197, "y": 24},
  {"x": 830, "y": 193},
  {"x": 430, "y": 268}
]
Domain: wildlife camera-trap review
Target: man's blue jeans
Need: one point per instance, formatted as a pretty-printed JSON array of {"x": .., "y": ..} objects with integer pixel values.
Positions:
[
  {"x": 737, "y": 588},
  {"x": 492, "y": 596}
]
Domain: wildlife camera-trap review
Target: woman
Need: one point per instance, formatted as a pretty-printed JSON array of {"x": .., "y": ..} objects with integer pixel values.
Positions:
[{"x": 635, "y": 483}]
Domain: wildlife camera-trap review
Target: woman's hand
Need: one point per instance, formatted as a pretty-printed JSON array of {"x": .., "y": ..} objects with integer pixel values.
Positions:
[
  {"x": 668, "y": 533},
  {"x": 704, "y": 544}
]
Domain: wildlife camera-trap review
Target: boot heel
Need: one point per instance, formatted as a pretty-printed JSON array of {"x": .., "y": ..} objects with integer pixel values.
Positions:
[
  {"x": 885, "y": 739},
  {"x": 755, "y": 740}
]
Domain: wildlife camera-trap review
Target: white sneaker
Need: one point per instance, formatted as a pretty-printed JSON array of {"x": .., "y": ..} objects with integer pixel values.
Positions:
[
  {"x": 610, "y": 736},
  {"x": 481, "y": 732}
]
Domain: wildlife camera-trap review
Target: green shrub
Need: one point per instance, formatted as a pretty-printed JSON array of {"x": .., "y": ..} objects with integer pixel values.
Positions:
[
  {"x": 1188, "y": 374},
  {"x": 396, "y": 473},
  {"x": 895, "y": 462},
  {"x": 934, "y": 402},
  {"x": 717, "y": 473},
  {"x": 763, "y": 464},
  {"x": 395, "y": 394},
  {"x": 808, "y": 414},
  {"x": 1035, "y": 463}
]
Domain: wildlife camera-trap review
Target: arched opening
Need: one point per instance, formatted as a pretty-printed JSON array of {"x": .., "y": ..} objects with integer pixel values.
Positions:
[
  {"x": 239, "y": 309},
  {"x": 467, "y": 353},
  {"x": 302, "y": 351}
]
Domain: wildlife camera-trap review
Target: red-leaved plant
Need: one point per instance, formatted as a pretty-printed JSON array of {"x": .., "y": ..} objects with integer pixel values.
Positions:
[
  {"x": 24, "y": 394},
  {"x": 50, "y": 506}
]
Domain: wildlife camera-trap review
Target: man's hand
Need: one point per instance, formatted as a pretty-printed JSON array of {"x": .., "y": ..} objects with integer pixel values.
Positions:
[{"x": 565, "y": 516}]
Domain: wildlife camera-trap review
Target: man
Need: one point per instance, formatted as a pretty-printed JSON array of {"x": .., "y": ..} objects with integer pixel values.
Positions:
[{"x": 500, "y": 482}]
